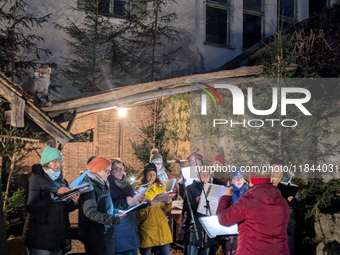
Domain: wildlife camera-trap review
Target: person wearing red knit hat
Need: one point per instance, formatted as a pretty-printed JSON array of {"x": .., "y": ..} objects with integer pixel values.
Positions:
[
  {"x": 97, "y": 215},
  {"x": 262, "y": 216}
]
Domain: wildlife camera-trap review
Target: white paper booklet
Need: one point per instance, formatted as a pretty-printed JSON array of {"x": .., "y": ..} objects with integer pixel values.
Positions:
[
  {"x": 140, "y": 193},
  {"x": 213, "y": 228},
  {"x": 169, "y": 184},
  {"x": 214, "y": 193}
]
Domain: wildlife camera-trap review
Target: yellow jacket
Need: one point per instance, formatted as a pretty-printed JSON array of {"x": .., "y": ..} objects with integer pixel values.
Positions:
[{"x": 153, "y": 225}]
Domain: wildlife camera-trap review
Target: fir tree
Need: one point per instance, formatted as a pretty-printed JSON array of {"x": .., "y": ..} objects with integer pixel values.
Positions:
[
  {"x": 149, "y": 37},
  {"x": 19, "y": 46},
  {"x": 90, "y": 42},
  {"x": 13, "y": 150}
]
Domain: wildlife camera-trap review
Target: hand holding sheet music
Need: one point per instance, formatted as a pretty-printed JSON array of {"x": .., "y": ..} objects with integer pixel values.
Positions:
[
  {"x": 140, "y": 194},
  {"x": 86, "y": 187}
]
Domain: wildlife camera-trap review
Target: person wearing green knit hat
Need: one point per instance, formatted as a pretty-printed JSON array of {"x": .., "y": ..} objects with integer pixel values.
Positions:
[{"x": 42, "y": 236}]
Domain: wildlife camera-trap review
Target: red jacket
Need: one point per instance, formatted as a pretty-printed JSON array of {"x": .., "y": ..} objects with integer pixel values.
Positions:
[{"x": 262, "y": 216}]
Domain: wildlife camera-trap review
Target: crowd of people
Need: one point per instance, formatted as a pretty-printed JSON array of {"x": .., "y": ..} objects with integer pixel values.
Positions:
[{"x": 264, "y": 217}]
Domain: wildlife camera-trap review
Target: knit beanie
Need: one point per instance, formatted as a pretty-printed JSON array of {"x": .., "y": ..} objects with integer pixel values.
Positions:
[
  {"x": 98, "y": 164},
  {"x": 276, "y": 162},
  {"x": 218, "y": 157},
  {"x": 259, "y": 176},
  {"x": 150, "y": 167},
  {"x": 234, "y": 174},
  {"x": 195, "y": 155},
  {"x": 49, "y": 154},
  {"x": 90, "y": 159},
  {"x": 154, "y": 156}
]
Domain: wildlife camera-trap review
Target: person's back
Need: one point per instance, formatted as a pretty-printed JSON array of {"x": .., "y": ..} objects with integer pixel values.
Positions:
[{"x": 262, "y": 216}]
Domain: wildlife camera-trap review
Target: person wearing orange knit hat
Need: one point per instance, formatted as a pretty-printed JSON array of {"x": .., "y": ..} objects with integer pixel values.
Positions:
[{"x": 97, "y": 215}]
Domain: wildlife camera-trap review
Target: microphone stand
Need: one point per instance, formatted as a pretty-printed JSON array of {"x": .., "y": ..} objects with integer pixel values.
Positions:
[
  {"x": 192, "y": 223},
  {"x": 207, "y": 209}
]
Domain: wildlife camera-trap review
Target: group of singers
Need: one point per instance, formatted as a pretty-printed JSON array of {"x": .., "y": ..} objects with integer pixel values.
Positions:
[{"x": 105, "y": 229}]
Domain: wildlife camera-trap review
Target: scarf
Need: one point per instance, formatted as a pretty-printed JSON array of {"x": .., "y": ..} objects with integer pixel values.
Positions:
[
  {"x": 121, "y": 183},
  {"x": 162, "y": 174},
  {"x": 52, "y": 174},
  {"x": 100, "y": 180}
]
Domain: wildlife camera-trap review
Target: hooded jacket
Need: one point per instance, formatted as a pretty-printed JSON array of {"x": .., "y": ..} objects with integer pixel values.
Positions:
[
  {"x": 153, "y": 225},
  {"x": 96, "y": 218},
  {"x": 262, "y": 216},
  {"x": 47, "y": 223}
]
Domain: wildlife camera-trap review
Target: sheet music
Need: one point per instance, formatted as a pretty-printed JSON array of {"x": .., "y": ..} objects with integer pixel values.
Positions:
[
  {"x": 188, "y": 176},
  {"x": 169, "y": 184},
  {"x": 213, "y": 228},
  {"x": 214, "y": 193},
  {"x": 140, "y": 193}
]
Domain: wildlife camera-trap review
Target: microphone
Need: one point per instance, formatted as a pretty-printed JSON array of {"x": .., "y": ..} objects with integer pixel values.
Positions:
[{"x": 176, "y": 161}]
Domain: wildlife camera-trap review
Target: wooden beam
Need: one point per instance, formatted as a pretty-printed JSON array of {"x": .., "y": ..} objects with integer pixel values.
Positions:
[
  {"x": 9, "y": 91},
  {"x": 17, "y": 111},
  {"x": 129, "y": 91}
]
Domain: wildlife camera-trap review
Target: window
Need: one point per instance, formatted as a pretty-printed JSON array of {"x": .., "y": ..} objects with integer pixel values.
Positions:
[
  {"x": 253, "y": 19},
  {"x": 106, "y": 7},
  {"x": 286, "y": 8},
  {"x": 317, "y": 6},
  {"x": 217, "y": 22}
]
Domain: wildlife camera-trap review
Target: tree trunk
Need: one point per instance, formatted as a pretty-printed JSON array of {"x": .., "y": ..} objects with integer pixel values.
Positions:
[
  {"x": 154, "y": 41},
  {"x": 10, "y": 176},
  {"x": 3, "y": 235}
]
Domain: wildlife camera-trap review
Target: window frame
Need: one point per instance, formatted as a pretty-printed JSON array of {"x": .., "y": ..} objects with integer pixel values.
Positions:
[
  {"x": 288, "y": 19},
  {"x": 111, "y": 9},
  {"x": 256, "y": 13},
  {"x": 222, "y": 6}
]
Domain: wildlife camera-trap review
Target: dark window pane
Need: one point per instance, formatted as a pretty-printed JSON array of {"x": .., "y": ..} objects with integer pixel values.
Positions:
[
  {"x": 317, "y": 6},
  {"x": 104, "y": 7},
  {"x": 287, "y": 8},
  {"x": 216, "y": 26},
  {"x": 253, "y": 4},
  {"x": 119, "y": 8},
  {"x": 252, "y": 32},
  {"x": 220, "y": 1}
]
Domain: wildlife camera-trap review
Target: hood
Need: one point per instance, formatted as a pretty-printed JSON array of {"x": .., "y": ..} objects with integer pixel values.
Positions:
[{"x": 265, "y": 193}]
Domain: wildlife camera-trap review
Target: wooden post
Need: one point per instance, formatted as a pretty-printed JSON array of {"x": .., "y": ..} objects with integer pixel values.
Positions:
[{"x": 68, "y": 128}]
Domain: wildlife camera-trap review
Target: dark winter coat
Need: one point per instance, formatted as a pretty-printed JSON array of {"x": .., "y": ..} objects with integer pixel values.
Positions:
[
  {"x": 262, "y": 216},
  {"x": 193, "y": 190},
  {"x": 96, "y": 218},
  {"x": 126, "y": 232},
  {"x": 47, "y": 223}
]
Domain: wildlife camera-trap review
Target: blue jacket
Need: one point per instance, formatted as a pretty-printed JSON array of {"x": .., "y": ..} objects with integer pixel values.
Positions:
[
  {"x": 126, "y": 232},
  {"x": 238, "y": 192}
]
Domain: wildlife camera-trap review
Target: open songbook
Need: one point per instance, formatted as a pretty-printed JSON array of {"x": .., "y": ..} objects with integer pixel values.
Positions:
[
  {"x": 168, "y": 184},
  {"x": 140, "y": 193},
  {"x": 159, "y": 198},
  {"x": 213, "y": 228},
  {"x": 86, "y": 187}
]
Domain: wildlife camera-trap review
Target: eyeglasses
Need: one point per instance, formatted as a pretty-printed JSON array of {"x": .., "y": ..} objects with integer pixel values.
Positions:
[
  {"x": 238, "y": 178},
  {"x": 119, "y": 169}
]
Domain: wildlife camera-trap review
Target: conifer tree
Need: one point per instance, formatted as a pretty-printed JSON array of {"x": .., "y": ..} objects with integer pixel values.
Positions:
[
  {"x": 90, "y": 43},
  {"x": 19, "y": 46},
  {"x": 149, "y": 38}
]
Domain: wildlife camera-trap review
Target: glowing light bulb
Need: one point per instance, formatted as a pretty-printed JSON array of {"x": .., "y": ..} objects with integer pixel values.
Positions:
[{"x": 122, "y": 112}]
